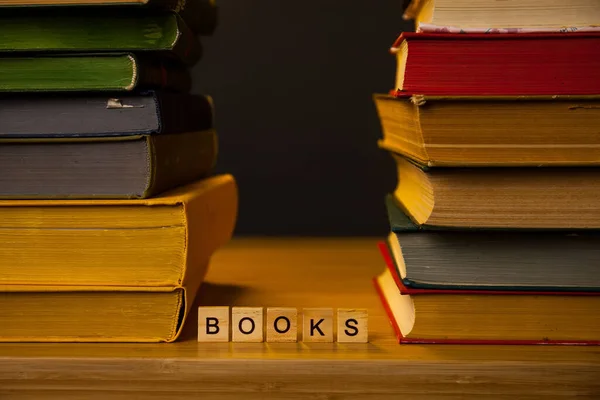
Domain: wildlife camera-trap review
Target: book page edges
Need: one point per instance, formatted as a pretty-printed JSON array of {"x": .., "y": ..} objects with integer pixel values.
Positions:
[
  {"x": 405, "y": 290},
  {"x": 388, "y": 310},
  {"x": 421, "y": 99},
  {"x": 404, "y": 340},
  {"x": 209, "y": 220},
  {"x": 209, "y": 225},
  {"x": 175, "y": 197}
]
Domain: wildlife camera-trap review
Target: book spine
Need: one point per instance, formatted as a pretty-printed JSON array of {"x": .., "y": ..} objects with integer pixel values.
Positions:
[
  {"x": 180, "y": 158},
  {"x": 183, "y": 113},
  {"x": 187, "y": 46},
  {"x": 201, "y": 16},
  {"x": 162, "y": 73}
]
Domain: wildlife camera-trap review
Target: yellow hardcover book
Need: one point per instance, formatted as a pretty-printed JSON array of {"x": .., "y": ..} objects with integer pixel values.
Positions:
[
  {"x": 96, "y": 313},
  {"x": 494, "y": 318},
  {"x": 153, "y": 242},
  {"x": 109, "y": 270}
]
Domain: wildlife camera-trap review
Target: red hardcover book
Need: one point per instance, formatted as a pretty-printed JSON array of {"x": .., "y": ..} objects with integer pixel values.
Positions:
[
  {"x": 392, "y": 292},
  {"x": 499, "y": 64}
]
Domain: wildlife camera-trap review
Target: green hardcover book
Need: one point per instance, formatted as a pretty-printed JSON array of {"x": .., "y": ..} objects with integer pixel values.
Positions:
[
  {"x": 91, "y": 72},
  {"x": 199, "y": 15},
  {"x": 99, "y": 30}
]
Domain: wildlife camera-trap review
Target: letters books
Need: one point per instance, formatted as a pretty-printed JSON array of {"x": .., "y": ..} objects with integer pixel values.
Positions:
[{"x": 246, "y": 325}]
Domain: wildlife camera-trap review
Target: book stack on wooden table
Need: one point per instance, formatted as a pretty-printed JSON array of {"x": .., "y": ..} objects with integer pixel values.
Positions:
[
  {"x": 109, "y": 208},
  {"x": 494, "y": 125}
]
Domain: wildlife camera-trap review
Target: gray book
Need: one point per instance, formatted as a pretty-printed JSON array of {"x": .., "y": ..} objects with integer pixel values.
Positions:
[
  {"x": 504, "y": 260},
  {"x": 103, "y": 146}
]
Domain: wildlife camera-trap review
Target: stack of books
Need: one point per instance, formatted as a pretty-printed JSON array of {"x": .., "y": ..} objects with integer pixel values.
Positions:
[
  {"x": 109, "y": 212},
  {"x": 496, "y": 136}
]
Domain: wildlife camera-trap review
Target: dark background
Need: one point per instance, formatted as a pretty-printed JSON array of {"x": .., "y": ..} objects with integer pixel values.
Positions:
[{"x": 292, "y": 84}]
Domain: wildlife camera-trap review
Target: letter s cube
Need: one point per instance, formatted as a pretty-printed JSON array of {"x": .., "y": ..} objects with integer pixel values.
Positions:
[{"x": 352, "y": 325}]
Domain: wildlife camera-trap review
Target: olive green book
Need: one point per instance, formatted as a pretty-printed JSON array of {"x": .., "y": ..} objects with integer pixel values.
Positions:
[
  {"x": 66, "y": 30},
  {"x": 201, "y": 16},
  {"x": 118, "y": 72}
]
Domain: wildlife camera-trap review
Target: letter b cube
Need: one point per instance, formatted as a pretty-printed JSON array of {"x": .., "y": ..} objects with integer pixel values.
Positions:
[{"x": 213, "y": 324}]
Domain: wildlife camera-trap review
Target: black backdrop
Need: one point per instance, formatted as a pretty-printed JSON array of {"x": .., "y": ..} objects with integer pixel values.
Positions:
[{"x": 292, "y": 84}]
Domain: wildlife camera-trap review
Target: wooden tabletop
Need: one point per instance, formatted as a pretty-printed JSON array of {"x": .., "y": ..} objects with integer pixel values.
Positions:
[{"x": 296, "y": 273}]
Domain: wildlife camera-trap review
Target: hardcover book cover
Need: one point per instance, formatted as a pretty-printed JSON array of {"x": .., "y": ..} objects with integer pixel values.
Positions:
[
  {"x": 86, "y": 115},
  {"x": 61, "y": 30},
  {"x": 201, "y": 16},
  {"x": 499, "y": 64},
  {"x": 109, "y": 270},
  {"x": 115, "y": 72},
  {"x": 391, "y": 291}
]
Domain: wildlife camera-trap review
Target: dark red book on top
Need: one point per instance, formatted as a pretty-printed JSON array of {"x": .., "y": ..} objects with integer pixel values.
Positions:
[{"x": 498, "y": 64}]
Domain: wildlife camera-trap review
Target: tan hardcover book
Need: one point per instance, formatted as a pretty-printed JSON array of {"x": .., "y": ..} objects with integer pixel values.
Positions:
[
  {"x": 484, "y": 15},
  {"x": 492, "y": 131},
  {"x": 536, "y": 198}
]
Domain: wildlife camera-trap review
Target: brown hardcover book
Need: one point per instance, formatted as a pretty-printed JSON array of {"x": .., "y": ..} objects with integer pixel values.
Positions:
[
  {"x": 535, "y": 198},
  {"x": 492, "y": 131}
]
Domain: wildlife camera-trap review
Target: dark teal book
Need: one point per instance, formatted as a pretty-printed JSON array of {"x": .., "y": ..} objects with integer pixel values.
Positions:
[{"x": 427, "y": 257}]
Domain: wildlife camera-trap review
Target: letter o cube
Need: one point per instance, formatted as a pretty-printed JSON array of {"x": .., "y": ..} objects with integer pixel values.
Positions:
[
  {"x": 282, "y": 325},
  {"x": 247, "y": 324}
]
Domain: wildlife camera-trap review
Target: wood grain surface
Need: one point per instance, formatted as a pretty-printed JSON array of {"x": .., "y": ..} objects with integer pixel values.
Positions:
[{"x": 301, "y": 273}]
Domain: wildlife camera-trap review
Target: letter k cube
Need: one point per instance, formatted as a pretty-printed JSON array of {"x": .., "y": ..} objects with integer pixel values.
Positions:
[{"x": 317, "y": 325}]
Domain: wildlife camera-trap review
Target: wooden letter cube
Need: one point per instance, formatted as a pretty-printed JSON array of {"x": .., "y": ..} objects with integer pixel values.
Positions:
[
  {"x": 352, "y": 325},
  {"x": 247, "y": 324},
  {"x": 282, "y": 325},
  {"x": 213, "y": 324},
  {"x": 317, "y": 325}
]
